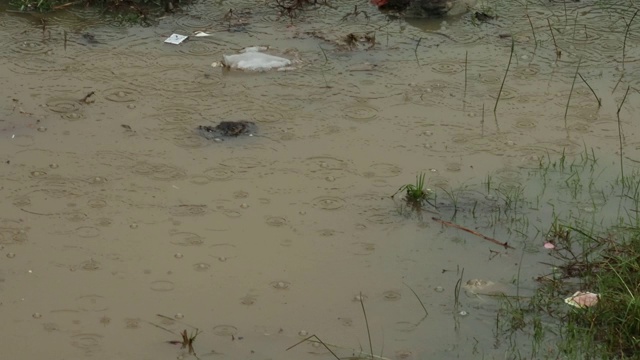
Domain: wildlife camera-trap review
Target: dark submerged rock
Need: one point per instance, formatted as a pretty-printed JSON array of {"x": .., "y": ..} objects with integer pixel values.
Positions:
[{"x": 227, "y": 129}]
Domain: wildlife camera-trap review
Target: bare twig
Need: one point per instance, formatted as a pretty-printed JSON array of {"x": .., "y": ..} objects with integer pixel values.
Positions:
[{"x": 448, "y": 223}]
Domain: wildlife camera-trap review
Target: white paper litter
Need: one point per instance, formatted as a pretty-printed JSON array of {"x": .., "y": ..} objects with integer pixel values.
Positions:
[
  {"x": 253, "y": 60},
  {"x": 201, "y": 33},
  {"x": 176, "y": 39}
]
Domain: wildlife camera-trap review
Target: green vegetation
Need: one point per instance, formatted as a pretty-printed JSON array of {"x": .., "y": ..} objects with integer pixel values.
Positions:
[
  {"x": 588, "y": 219},
  {"x": 415, "y": 194},
  {"x": 595, "y": 249}
]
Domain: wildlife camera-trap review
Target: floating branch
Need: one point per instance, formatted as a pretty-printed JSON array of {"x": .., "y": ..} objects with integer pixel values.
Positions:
[{"x": 447, "y": 223}]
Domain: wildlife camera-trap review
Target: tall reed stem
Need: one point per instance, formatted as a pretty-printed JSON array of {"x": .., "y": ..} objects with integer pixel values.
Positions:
[{"x": 505, "y": 76}]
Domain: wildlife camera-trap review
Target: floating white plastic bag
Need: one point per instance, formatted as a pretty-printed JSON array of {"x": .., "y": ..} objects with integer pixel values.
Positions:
[
  {"x": 252, "y": 59},
  {"x": 176, "y": 39}
]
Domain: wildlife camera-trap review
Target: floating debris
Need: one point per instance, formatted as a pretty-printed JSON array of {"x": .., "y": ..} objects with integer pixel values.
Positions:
[
  {"x": 254, "y": 59},
  {"x": 482, "y": 16},
  {"x": 176, "y": 39},
  {"x": 201, "y": 34},
  {"x": 475, "y": 287},
  {"x": 227, "y": 129}
]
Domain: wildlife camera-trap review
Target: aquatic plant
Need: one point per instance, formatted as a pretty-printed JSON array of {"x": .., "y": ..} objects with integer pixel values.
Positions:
[
  {"x": 415, "y": 194},
  {"x": 591, "y": 256}
]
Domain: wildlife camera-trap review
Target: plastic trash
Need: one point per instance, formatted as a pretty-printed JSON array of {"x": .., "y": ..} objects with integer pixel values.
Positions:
[
  {"x": 201, "y": 34},
  {"x": 176, "y": 39},
  {"x": 253, "y": 59},
  {"x": 581, "y": 299}
]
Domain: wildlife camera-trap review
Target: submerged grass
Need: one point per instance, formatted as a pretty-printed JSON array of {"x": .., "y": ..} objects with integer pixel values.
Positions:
[
  {"x": 601, "y": 256},
  {"x": 588, "y": 219}
]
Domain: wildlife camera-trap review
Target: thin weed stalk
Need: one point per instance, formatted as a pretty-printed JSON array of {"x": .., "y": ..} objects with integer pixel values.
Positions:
[
  {"x": 533, "y": 31},
  {"x": 575, "y": 76},
  {"x": 426, "y": 313},
  {"x": 318, "y": 339},
  {"x": 626, "y": 34},
  {"x": 464, "y": 96},
  {"x": 326, "y": 59},
  {"x": 558, "y": 52},
  {"x": 620, "y": 136},
  {"x": 366, "y": 321},
  {"x": 415, "y": 51},
  {"x": 482, "y": 121},
  {"x": 592, "y": 91},
  {"x": 505, "y": 76},
  {"x": 518, "y": 277},
  {"x": 456, "y": 291}
]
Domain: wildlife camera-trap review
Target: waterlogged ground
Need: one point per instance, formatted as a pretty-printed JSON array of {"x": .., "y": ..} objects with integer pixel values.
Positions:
[{"x": 259, "y": 241}]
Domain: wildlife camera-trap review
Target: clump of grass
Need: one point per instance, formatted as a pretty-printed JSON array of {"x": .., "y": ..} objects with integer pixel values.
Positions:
[
  {"x": 607, "y": 264},
  {"x": 415, "y": 194},
  {"x": 589, "y": 254},
  {"x": 588, "y": 257}
]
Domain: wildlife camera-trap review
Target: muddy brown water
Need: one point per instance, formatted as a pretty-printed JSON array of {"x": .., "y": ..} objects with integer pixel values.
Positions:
[{"x": 258, "y": 241}]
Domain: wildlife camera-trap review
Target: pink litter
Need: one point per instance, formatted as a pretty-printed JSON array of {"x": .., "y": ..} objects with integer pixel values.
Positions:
[{"x": 582, "y": 299}]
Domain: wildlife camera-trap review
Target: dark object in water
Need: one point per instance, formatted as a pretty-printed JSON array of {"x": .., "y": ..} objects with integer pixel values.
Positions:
[
  {"x": 425, "y": 8},
  {"x": 483, "y": 17},
  {"x": 227, "y": 129},
  {"x": 88, "y": 39}
]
